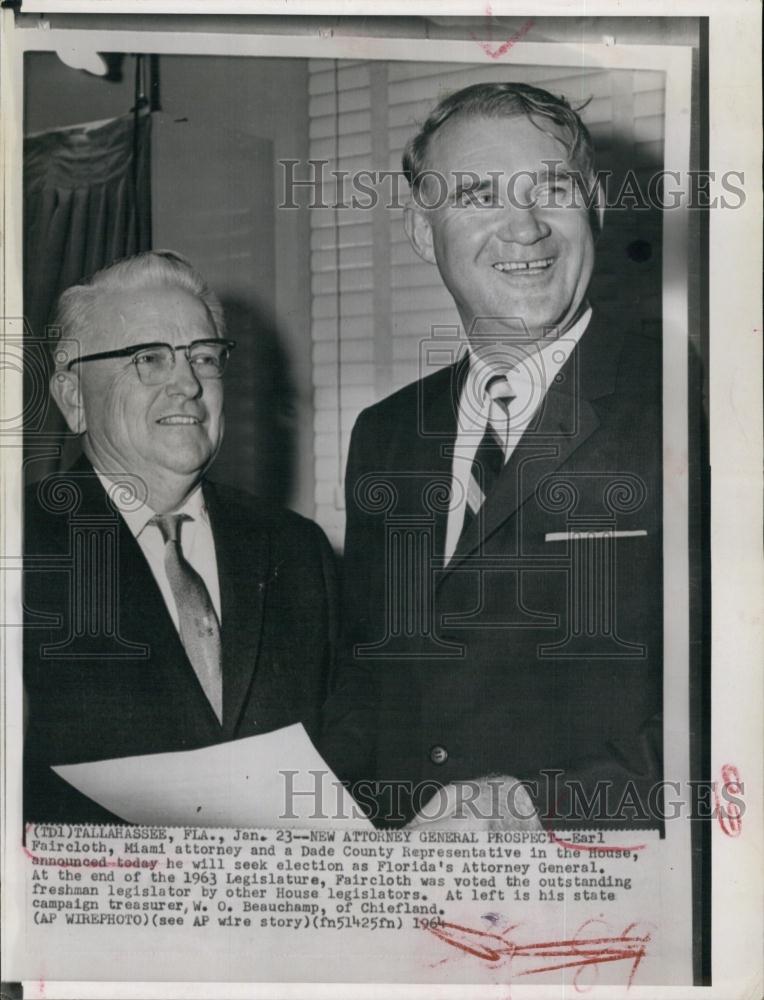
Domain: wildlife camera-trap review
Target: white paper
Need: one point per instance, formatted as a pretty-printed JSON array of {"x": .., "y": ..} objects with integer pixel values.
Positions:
[{"x": 245, "y": 783}]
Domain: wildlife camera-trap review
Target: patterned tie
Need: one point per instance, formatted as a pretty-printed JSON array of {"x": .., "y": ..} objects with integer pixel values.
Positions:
[
  {"x": 488, "y": 462},
  {"x": 199, "y": 626}
]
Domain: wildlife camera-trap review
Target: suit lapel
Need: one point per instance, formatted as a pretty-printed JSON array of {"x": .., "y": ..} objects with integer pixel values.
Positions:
[
  {"x": 430, "y": 452},
  {"x": 565, "y": 421},
  {"x": 140, "y": 610},
  {"x": 538, "y": 454},
  {"x": 142, "y": 627},
  {"x": 242, "y": 552},
  {"x": 242, "y": 560}
]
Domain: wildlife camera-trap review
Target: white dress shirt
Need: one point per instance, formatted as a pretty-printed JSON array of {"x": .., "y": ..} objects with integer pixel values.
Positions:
[
  {"x": 196, "y": 541},
  {"x": 534, "y": 369}
]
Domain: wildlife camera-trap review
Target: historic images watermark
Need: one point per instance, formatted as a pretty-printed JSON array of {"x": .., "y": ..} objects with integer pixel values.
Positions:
[
  {"x": 557, "y": 186},
  {"x": 504, "y": 802}
]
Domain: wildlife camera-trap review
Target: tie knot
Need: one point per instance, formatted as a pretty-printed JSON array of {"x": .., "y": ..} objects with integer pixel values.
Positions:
[{"x": 169, "y": 525}]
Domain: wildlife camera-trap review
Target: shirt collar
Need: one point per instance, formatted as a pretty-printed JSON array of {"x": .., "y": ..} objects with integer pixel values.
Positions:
[
  {"x": 555, "y": 351},
  {"x": 567, "y": 341},
  {"x": 138, "y": 514}
]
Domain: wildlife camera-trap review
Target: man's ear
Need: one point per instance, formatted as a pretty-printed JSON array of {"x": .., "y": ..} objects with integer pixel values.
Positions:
[
  {"x": 419, "y": 231},
  {"x": 65, "y": 390}
]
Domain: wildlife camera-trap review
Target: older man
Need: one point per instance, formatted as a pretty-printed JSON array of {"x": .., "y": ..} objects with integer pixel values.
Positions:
[
  {"x": 503, "y": 547},
  {"x": 163, "y": 612}
]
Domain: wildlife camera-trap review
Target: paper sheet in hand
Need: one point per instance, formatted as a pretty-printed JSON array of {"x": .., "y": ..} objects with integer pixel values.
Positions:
[{"x": 239, "y": 783}]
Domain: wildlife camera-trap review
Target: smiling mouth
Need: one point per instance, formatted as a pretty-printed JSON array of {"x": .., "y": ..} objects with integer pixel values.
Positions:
[
  {"x": 178, "y": 419},
  {"x": 523, "y": 266}
]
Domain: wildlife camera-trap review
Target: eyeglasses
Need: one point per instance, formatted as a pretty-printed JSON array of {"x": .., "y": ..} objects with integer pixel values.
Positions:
[{"x": 154, "y": 363}]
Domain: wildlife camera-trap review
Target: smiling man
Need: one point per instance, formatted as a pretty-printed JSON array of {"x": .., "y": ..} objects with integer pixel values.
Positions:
[
  {"x": 503, "y": 549},
  {"x": 523, "y": 267},
  {"x": 163, "y": 612}
]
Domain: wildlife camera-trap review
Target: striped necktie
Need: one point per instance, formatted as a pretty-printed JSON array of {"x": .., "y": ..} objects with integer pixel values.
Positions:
[
  {"x": 199, "y": 626},
  {"x": 488, "y": 462}
]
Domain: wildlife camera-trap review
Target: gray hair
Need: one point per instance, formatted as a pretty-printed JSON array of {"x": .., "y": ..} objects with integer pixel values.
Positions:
[{"x": 151, "y": 269}]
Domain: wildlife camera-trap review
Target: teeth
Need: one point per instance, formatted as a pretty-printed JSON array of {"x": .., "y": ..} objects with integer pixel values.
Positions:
[
  {"x": 524, "y": 265},
  {"x": 178, "y": 420}
]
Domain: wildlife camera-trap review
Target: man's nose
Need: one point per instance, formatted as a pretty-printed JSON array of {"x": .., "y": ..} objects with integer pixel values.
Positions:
[
  {"x": 522, "y": 224},
  {"x": 183, "y": 380}
]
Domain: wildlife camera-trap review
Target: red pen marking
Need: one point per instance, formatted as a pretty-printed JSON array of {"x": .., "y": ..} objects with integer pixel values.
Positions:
[
  {"x": 729, "y": 814},
  {"x": 593, "y": 848},
  {"x": 579, "y": 952},
  {"x": 497, "y": 53}
]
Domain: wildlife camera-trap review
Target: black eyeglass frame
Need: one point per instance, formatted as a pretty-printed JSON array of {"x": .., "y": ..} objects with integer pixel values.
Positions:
[{"x": 130, "y": 352}]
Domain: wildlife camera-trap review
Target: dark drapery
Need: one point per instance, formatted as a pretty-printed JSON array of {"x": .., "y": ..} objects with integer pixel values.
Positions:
[{"x": 87, "y": 201}]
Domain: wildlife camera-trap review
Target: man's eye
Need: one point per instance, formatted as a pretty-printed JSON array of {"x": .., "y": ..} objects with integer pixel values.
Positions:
[
  {"x": 468, "y": 197},
  {"x": 205, "y": 360},
  {"x": 147, "y": 359},
  {"x": 552, "y": 192},
  {"x": 487, "y": 198}
]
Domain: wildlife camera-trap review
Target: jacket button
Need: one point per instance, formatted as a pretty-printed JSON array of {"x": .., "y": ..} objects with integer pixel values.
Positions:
[{"x": 439, "y": 755}]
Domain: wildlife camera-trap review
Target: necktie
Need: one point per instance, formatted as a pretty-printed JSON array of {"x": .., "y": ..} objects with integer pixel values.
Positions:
[
  {"x": 488, "y": 462},
  {"x": 199, "y": 626}
]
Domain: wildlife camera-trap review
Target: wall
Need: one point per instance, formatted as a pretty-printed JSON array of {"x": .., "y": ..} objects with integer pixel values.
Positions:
[
  {"x": 224, "y": 125},
  {"x": 56, "y": 95}
]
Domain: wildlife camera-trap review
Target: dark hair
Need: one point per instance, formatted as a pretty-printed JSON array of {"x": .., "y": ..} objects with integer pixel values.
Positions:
[{"x": 502, "y": 100}]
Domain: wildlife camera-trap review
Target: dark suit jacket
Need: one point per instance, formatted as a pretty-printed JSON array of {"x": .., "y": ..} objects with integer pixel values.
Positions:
[
  {"x": 104, "y": 670},
  {"x": 525, "y": 653}
]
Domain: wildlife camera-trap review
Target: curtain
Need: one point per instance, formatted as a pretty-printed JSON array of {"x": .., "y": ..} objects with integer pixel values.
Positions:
[{"x": 87, "y": 202}]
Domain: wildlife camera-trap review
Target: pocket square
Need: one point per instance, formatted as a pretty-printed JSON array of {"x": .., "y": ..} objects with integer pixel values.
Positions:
[{"x": 567, "y": 536}]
